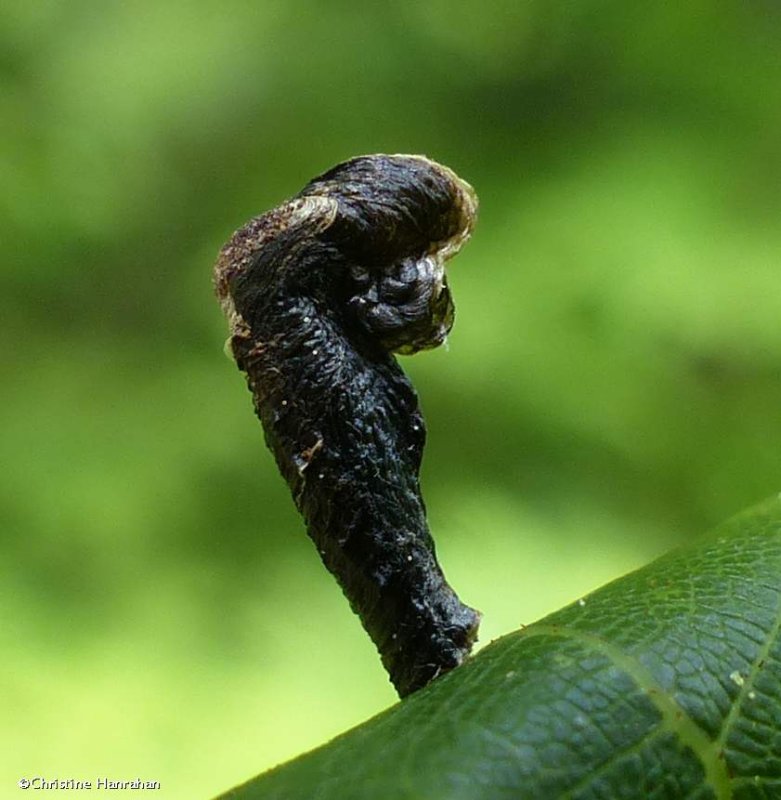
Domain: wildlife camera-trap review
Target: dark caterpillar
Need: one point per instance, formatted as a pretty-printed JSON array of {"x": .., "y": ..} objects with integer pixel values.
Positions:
[{"x": 319, "y": 293}]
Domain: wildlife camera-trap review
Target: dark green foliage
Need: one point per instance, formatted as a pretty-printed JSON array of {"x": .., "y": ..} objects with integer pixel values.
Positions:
[{"x": 663, "y": 684}]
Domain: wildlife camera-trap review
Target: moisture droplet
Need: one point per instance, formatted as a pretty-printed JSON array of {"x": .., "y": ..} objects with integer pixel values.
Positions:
[{"x": 737, "y": 678}]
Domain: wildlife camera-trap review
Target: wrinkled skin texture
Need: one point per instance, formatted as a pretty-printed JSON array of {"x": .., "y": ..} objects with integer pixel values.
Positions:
[{"x": 319, "y": 293}]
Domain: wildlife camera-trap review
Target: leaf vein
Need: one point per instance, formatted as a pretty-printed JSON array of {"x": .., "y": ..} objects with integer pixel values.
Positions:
[
  {"x": 674, "y": 718},
  {"x": 748, "y": 683}
]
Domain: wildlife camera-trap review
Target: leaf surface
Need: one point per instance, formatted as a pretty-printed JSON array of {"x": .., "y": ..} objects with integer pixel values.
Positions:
[{"x": 665, "y": 683}]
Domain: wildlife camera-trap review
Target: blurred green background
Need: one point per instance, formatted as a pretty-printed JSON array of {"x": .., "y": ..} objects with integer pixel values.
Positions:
[{"x": 612, "y": 386}]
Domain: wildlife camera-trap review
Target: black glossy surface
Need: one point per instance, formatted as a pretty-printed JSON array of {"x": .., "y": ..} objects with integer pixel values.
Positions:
[{"x": 319, "y": 293}]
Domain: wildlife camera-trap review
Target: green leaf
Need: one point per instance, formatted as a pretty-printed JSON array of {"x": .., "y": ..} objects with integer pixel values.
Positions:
[{"x": 663, "y": 684}]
